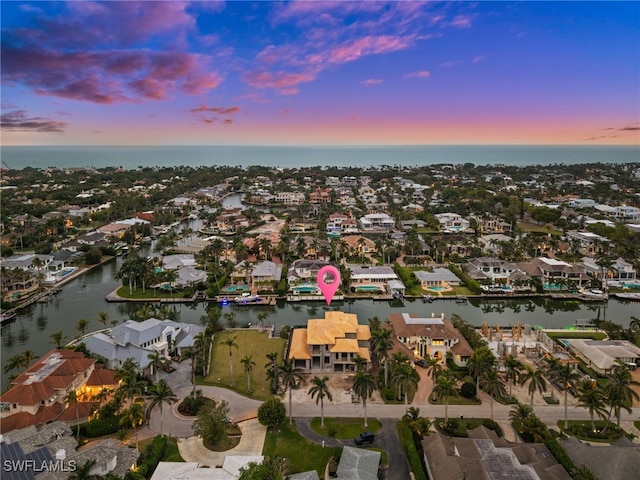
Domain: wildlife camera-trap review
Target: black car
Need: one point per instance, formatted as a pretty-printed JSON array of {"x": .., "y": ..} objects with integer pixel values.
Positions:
[
  {"x": 421, "y": 363},
  {"x": 364, "y": 438}
]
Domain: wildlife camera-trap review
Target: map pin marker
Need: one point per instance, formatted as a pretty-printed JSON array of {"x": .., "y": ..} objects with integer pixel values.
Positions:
[{"x": 328, "y": 288}]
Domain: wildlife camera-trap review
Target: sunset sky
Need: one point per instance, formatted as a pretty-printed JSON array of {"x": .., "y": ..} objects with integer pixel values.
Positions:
[{"x": 320, "y": 73}]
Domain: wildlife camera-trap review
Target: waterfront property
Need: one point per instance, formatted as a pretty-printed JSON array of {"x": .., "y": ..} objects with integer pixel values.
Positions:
[
  {"x": 17, "y": 284},
  {"x": 330, "y": 343},
  {"x": 439, "y": 279},
  {"x": 430, "y": 337},
  {"x": 490, "y": 270},
  {"x": 137, "y": 340},
  {"x": 38, "y": 395},
  {"x": 603, "y": 355},
  {"x": 555, "y": 274},
  {"x": 371, "y": 279}
]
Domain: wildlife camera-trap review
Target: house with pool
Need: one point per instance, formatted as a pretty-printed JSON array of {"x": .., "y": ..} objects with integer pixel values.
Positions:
[
  {"x": 441, "y": 279},
  {"x": 330, "y": 343},
  {"x": 374, "y": 280},
  {"x": 430, "y": 337}
]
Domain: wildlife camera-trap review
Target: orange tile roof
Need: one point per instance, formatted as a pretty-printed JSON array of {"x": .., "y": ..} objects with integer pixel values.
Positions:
[
  {"x": 54, "y": 371},
  {"x": 79, "y": 410},
  {"x": 101, "y": 377},
  {"x": 24, "y": 419}
]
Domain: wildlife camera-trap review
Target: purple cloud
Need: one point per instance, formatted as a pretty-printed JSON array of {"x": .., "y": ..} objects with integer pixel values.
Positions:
[{"x": 19, "y": 121}]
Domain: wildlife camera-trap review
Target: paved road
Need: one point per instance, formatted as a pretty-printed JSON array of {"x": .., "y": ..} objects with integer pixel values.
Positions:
[{"x": 244, "y": 410}]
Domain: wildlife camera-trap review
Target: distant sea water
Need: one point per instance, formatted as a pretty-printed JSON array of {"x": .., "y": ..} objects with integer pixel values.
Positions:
[{"x": 132, "y": 157}]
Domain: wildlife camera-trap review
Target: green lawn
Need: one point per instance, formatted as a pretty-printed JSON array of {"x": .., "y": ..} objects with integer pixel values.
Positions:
[
  {"x": 250, "y": 342},
  {"x": 346, "y": 428},
  {"x": 286, "y": 442},
  {"x": 582, "y": 430},
  {"x": 148, "y": 294},
  {"x": 171, "y": 455}
]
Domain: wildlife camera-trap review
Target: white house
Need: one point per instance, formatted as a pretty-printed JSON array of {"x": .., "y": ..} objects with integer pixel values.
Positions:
[
  {"x": 377, "y": 220},
  {"x": 452, "y": 222}
]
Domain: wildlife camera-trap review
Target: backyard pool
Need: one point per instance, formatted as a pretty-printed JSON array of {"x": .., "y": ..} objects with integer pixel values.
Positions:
[
  {"x": 436, "y": 288},
  {"x": 65, "y": 271},
  {"x": 235, "y": 288},
  {"x": 368, "y": 288},
  {"x": 307, "y": 288}
]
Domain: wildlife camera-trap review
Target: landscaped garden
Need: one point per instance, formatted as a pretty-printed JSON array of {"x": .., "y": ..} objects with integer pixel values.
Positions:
[
  {"x": 344, "y": 428},
  {"x": 606, "y": 432},
  {"x": 243, "y": 343},
  {"x": 285, "y": 441}
]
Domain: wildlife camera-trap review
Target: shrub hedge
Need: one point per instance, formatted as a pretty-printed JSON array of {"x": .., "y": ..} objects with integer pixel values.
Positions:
[{"x": 405, "y": 435}]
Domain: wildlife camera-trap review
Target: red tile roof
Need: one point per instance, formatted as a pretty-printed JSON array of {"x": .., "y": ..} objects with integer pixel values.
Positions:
[
  {"x": 24, "y": 419},
  {"x": 101, "y": 377}
]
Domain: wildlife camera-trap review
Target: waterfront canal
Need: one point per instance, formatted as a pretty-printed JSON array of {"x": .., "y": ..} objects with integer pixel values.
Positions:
[{"x": 84, "y": 296}]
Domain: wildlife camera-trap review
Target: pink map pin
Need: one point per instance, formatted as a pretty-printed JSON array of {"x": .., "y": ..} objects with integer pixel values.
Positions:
[{"x": 328, "y": 289}]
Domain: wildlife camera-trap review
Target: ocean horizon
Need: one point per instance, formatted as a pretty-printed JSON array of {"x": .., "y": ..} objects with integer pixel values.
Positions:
[{"x": 295, "y": 156}]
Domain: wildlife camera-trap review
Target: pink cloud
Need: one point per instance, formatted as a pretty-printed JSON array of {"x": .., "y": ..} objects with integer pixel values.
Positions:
[
  {"x": 418, "y": 74},
  {"x": 19, "y": 121},
  {"x": 284, "y": 82},
  {"x": 219, "y": 110},
  {"x": 371, "y": 82},
  {"x": 478, "y": 58},
  {"x": 461, "y": 21},
  {"x": 368, "y": 46}
]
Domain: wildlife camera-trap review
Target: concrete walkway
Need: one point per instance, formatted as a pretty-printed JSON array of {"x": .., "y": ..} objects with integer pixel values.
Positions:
[{"x": 253, "y": 434}]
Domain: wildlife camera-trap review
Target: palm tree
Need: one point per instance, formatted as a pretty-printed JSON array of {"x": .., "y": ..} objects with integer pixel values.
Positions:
[
  {"x": 82, "y": 325},
  {"x": 434, "y": 368},
  {"x": 513, "y": 368},
  {"x": 360, "y": 363},
  {"x": 248, "y": 367},
  {"x": 381, "y": 344},
  {"x": 133, "y": 417},
  {"x": 272, "y": 371},
  {"x": 161, "y": 393},
  {"x": 364, "y": 385},
  {"x": 619, "y": 392},
  {"x": 71, "y": 398},
  {"x": 567, "y": 377},
  {"x": 591, "y": 397},
  {"x": 444, "y": 388},
  {"x": 320, "y": 390},
  {"x": 491, "y": 383},
  {"x": 536, "y": 379},
  {"x": 20, "y": 360},
  {"x": 156, "y": 362},
  {"x": 519, "y": 413},
  {"x": 404, "y": 376},
  {"x": 481, "y": 361},
  {"x": 103, "y": 318},
  {"x": 290, "y": 375},
  {"x": 192, "y": 354},
  {"x": 58, "y": 338},
  {"x": 231, "y": 343}
]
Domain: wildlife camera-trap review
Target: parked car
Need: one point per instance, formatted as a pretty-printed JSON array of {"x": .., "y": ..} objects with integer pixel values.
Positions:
[
  {"x": 421, "y": 363},
  {"x": 364, "y": 438}
]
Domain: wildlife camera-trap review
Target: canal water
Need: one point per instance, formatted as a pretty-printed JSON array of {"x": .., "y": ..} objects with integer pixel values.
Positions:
[{"x": 84, "y": 297}]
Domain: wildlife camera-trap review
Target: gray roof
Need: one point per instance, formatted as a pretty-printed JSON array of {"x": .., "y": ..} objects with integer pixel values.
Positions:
[
  {"x": 137, "y": 333},
  {"x": 618, "y": 461},
  {"x": 443, "y": 274},
  {"x": 604, "y": 353},
  {"x": 310, "y": 475},
  {"x": 267, "y": 269},
  {"x": 190, "y": 275},
  {"x": 358, "y": 464},
  {"x": 103, "y": 345}
]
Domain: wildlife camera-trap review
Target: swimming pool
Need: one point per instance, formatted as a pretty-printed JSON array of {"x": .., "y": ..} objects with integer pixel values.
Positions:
[
  {"x": 236, "y": 288},
  {"x": 65, "y": 271},
  {"x": 436, "y": 288},
  {"x": 305, "y": 289},
  {"x": 368, "y": 288}
]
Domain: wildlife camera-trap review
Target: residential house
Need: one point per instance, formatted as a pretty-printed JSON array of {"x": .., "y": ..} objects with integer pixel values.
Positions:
[
  {"x": 603, "y": 355},
  {"x": 51, "y": 453},
  {"x": 554, "y": 273},
  {"x": 27, "y": 261},
  {"x": 492, "y": 242},
  {"x": 320, "y": 195},
  {"x": 330, "y": 343},
  {"x": 265, "y": 275},
  {"x": 452, "y": 223},
  {"x": 229, "y": 470},
  {"x": 431, "y": 337},
  {"x": 338, "y": 223},
  {"x": 620, "y": 271},
  {"x": 302, "y": 226},
  {"x": 38, "y": 394},
  {"x": 485, "y": 456},
  {"x": 16, "y": 284},
  {"x": 290, "y": 198},
  {"x": 370, "y": 279},
  {"x": 491, "y": 224},
  {"x": 230, "y": 220},
  {"x": 137, "y": 340},
  {"x": 626, "y": 213},
  {"x": 588, "y": 243},
  {"x": 304, "y": 271},
  {"x": 359, "y": 245},
  {"x": 178, "y": 261},
  {"x": 619, "y": 460},
  {"x": 114, "y": 230},
  {"x": 494, "y": 271},
  {"x": 440, "y": 277},
  {"x": 377, "y": 221},
  {"x": 581, "y": 203}
]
